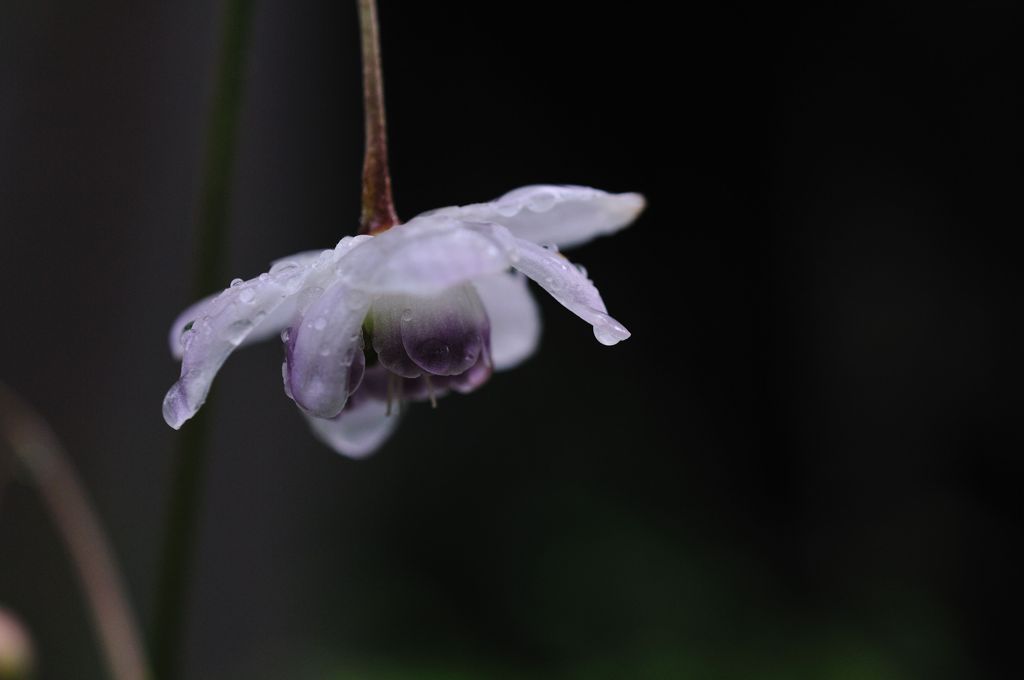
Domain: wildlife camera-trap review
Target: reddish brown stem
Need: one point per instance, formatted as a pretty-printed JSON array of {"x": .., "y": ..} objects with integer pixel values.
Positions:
[{"x": 378, "y": 207}]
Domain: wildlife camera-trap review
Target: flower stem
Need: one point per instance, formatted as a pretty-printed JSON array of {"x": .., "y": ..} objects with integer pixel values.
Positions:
[
  {"x": 378, "y": 207},
  {"x": 211, "y": 243},
  {"x": 36, "y": 447}
]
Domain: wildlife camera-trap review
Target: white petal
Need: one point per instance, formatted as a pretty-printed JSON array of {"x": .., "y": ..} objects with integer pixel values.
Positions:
[
  {"x": 359, "y": 430},
  {"x": 269, "y": 327},
  {"x": 251, "y": 309},
  {"x": 321, "y": 347},
  {"x": 563, "y": 215},
  {"x": 225, "y": 322},
  {"x": 515, "y": 319},
  {"x": 566, "y": 282},
  {"x": 424, "y": 256}
]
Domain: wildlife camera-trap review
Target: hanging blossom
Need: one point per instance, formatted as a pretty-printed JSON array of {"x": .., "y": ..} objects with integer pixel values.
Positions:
[{"x": 423, "y": 308}]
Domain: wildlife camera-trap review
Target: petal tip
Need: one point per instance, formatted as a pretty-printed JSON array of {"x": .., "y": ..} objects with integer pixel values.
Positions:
[
  {"x": 631, "y": 204},
  {"x": 175, "y": 408},
  {"x": 608, "y": 331},
  {"x": 317, "y": 397}
]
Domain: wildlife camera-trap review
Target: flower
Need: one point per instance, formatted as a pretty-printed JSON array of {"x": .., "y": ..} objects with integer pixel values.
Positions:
[{"x": 428, "y": 306}]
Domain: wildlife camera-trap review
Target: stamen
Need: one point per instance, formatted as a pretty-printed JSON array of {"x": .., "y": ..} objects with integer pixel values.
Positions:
[
  {"x": 430, "y": 390},
  {"x": 391, "y": 391}
]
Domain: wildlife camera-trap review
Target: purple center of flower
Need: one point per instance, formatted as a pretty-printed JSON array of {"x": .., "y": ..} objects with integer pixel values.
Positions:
[
  {"x": 441, "y": 335},
  {"x": 427, "y": 346}
]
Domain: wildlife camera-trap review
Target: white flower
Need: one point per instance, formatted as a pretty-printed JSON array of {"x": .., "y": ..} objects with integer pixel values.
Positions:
[{"x": 431, "y": 305}]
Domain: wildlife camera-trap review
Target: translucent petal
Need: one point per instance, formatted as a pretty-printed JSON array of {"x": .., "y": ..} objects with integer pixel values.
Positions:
[
  {"x": 269, "y": 327},
  {"x": 563, "y": 215},
  {"x": 226, "y": 321},
  {"x": 445, "y": 334},
  {"x": 514, "y": 317},
  {"x": 566, "y": 282},
  {"x": 359, "y": 430},
  {"x": 387, "y": 335},
  {"x": 246, "y": 310},
  {"x": 321, "y": 347},
  {"x": 422, "y": 257}
]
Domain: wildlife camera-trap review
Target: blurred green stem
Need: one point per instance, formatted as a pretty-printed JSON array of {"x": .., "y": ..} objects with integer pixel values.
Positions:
[
  {"x": 36, "y": 447},
  {"x": 184, "y": 501}
]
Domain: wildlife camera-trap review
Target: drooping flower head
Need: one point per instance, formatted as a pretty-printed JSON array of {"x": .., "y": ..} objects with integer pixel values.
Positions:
[{"x": 417, "y": 310}]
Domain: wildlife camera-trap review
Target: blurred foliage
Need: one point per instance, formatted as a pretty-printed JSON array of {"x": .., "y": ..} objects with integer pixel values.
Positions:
[{"x": 602, "y": 594}]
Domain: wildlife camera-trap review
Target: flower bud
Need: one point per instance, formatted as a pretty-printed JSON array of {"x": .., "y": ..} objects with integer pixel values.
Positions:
[{"x": 16, "y": 656}]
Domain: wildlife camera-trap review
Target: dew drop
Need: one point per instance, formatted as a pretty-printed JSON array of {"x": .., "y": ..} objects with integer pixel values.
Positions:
[
  {"x": 237, "y": 331},
  {"x": 308, "y": 295},
  {"x": 582, "y": 270},
  {"x": 542, "y": 202},
  {"x": 235, "y": 283},
  {"x": 406, "y": 315},
  {"x": 286, "y": 335},
  {"x": 283, "y": 267},
  {"x": 264, "y": 277},
  {"x": 608, "y": 331},
  {"x": 509, "y": 209},
  {"x": 320, "y": 323},
  {"x": 246, "y": 295}
]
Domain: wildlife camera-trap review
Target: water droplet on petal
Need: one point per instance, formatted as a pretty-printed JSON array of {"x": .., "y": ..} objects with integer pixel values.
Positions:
[
  {"x": 542, "y": 202},
  {"x": 237, "y": 331},
  {"x": 582, "y": 270},
  {"x": 264, "y": 277},
  {"x": 608, "y": 331},
  {"x": 509, "y": 209},
  {"x": 286, "y": 335},
  {"x": 307, "y": 296},
  {"x": 283, "y": 267},
  {"x": 235, "y": 283},
  {"x": 246, "y": 295},
  {"x": 406, "y": 315},
  {"x": 320, "y": 323}
]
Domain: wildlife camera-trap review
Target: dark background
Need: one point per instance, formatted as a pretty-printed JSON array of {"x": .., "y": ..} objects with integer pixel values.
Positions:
[{"x": 803, "y": 464}]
